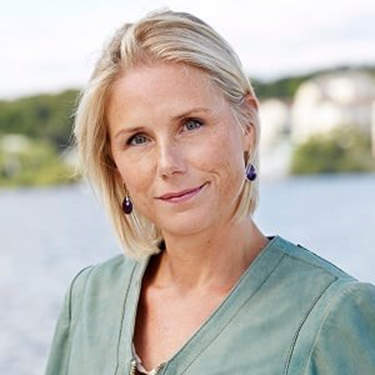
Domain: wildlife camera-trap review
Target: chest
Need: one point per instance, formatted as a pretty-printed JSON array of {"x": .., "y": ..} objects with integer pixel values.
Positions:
[{"x": 165, "y": 323}]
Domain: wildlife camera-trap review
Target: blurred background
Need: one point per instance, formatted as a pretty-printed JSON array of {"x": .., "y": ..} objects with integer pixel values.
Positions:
[{"x": 313, "y": 68}]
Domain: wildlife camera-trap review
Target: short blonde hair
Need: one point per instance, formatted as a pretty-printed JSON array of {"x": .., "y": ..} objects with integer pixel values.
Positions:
[{"x": 163, "y": 36}]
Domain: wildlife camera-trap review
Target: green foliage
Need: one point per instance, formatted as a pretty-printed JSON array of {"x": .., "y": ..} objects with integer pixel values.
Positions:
[
  {"x": 35, "y": 163},
  {"x": 45, "y": 121},
  {"x": 47, "y": 117},
  {"x": 341, "y": 150},
  {"x": 283, "y": 88}
]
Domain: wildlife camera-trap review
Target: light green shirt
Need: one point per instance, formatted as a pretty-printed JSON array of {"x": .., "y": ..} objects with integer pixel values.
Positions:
[{"x": 291, "y": 313}]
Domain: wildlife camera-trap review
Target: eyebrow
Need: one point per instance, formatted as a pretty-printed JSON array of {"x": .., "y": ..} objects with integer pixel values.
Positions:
[
  {"x": 129, "y": 130},
  {"x": 189, "y": 113},
  {"x": 177, "y": 118}
]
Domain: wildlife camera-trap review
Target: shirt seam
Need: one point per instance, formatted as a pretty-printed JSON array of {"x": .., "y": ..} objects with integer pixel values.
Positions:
[
  {"x": 129, "y": 284},
  {"x": 301, "y": 325},
  {"x": 339, "y": 274},
  {"x": 72, "y": 287},
  {"x": 326, "y": 316},
  {"x": 71, "y": 323}
]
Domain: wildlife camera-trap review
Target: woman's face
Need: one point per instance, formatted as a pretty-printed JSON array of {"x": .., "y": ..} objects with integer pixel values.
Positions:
[{"x": 177, "y": 147}]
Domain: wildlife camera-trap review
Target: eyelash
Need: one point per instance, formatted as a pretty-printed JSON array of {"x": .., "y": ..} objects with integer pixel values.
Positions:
[{"x": 185, "y": 122}]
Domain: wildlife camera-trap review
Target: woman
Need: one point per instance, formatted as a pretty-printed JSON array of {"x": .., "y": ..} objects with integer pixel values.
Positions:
[{"x": 168, "y": 133}]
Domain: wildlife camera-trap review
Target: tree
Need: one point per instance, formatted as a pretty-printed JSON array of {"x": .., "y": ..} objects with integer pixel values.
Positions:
[{"x": 344, "y": 149}]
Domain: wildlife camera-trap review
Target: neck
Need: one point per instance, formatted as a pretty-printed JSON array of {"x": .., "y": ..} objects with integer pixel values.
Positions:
[{"x": 212, "y": 260}]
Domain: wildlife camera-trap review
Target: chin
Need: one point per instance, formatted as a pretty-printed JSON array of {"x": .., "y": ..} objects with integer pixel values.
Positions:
[{"x": 185, "y": 225}]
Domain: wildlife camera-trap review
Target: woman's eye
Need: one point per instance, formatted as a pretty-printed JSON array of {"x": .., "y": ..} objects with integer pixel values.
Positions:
[
  {"x": 192, "y": 124},
  {"x": 137, "y": 139}
]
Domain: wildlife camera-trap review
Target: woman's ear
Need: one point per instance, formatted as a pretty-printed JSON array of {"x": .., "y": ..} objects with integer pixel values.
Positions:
[{"x": 252, "y": 101}]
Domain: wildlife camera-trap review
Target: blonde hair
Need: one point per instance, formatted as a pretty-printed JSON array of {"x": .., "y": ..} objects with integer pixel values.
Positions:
[{"x": 164, "y": 36}]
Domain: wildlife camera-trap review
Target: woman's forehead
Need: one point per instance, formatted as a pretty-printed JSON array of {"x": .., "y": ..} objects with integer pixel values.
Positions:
[{"x": 162, "y": 85}]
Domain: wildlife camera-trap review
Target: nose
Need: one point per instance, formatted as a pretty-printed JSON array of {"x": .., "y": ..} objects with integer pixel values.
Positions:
[{"x": 171, "y": 160}]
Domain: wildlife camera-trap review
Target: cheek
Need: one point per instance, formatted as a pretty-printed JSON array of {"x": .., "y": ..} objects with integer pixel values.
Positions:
[
  {"x": 135, "y": 173},
  {"x": 222, "y": 157}
]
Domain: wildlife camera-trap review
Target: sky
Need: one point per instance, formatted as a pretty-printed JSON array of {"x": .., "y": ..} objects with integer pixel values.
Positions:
[{"x": 48, "y": 46}]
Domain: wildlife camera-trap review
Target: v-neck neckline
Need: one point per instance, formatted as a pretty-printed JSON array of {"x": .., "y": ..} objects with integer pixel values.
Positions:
[{"x": 251, "y": 280}]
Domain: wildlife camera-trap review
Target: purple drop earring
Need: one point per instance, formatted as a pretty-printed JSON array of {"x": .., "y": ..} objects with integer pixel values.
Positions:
[
  {"x": 127, "y": 205},
  {"x": 251, "y": 173}
]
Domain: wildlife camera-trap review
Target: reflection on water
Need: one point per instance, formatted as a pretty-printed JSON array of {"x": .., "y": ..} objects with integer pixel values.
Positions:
[{"x": 47, "y": 235}]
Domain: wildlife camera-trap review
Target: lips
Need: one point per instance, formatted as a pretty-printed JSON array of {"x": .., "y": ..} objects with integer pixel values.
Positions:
[{"x": 181, "y": 194}]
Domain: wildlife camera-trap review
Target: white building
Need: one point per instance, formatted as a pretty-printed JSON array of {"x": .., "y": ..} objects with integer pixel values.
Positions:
[
  {"x": 275, "y": 121},
  {"x": 333, "y": 100}
]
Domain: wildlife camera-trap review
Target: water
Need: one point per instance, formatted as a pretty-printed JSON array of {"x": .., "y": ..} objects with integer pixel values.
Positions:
[{"x": 48, "y": 235}]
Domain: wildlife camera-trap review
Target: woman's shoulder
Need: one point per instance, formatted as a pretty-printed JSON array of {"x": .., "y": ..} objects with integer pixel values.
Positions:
[
  {"x": 337, "y": 329},
  {"x": 109, "y": 270},
  {"x": 314, "y": 282},
  {"x": 105, "y": 270},
  {"x": 308, "y": 262},
  {"x": 96, "y": 294},
  {"x": 319, "y": 287},
  {"x": 103, "y": 281},
  {"x": 338, "y": 334}
]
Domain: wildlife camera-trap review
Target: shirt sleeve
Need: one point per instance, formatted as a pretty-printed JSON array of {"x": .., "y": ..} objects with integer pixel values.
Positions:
[
  {"x": 345, "y": 344},
  {"x": 58, "y": 359}
]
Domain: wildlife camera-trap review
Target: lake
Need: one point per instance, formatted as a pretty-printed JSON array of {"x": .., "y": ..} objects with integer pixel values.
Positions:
[{"x": 48, "y": 235}]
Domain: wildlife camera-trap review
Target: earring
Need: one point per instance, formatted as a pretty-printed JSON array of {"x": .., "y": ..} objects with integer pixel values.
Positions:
[
  {"x": 127, "y": 205},
  {"x": 251, "y": 173}
]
